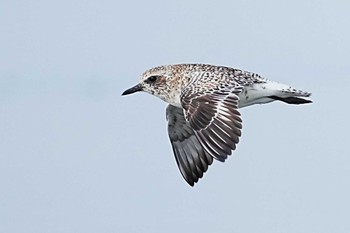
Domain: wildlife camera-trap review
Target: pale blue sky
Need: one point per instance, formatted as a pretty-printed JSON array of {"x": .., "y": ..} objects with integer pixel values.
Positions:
[{"x": 75, "y": 156}]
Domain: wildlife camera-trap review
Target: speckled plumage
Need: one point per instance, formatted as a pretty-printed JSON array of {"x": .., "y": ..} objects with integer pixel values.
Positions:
[{"x": 203, "y": 117}]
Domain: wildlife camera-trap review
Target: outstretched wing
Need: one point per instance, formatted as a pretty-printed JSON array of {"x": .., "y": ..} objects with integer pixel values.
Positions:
[
  {"x": 191, "y": 157},
  {"x": 214, "y": 118}
]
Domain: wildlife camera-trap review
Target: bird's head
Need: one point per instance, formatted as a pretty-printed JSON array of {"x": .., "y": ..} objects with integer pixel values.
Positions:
[{"x": 155, "y": 81}]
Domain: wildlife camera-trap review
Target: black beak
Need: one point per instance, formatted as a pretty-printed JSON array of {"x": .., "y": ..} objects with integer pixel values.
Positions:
[{"x": 134, "y": 89}]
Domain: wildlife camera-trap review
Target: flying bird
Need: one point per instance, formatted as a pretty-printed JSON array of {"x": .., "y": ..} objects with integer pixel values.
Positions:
[{"x": 204, "y": 122}]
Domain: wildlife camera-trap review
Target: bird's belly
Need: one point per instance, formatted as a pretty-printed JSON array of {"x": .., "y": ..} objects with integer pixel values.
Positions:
[{"x": 255, "y": 94}]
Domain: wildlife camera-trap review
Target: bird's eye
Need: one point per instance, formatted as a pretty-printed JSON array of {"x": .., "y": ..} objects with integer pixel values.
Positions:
[{"x": 152, "y": 79}]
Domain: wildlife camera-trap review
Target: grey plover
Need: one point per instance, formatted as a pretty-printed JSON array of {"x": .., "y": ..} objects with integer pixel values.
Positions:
[{"x": 203, "y": 118}]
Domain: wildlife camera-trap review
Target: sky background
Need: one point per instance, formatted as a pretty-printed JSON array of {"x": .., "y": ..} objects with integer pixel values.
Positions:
[{"x": 75, "y": 156}]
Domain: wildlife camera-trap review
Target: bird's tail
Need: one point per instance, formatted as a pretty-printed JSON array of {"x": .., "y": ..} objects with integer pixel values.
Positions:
[
  {"x": 263, "y": 93},
  {"x": 291, "y": 95},
  {"x": 292, "y": 100}
]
